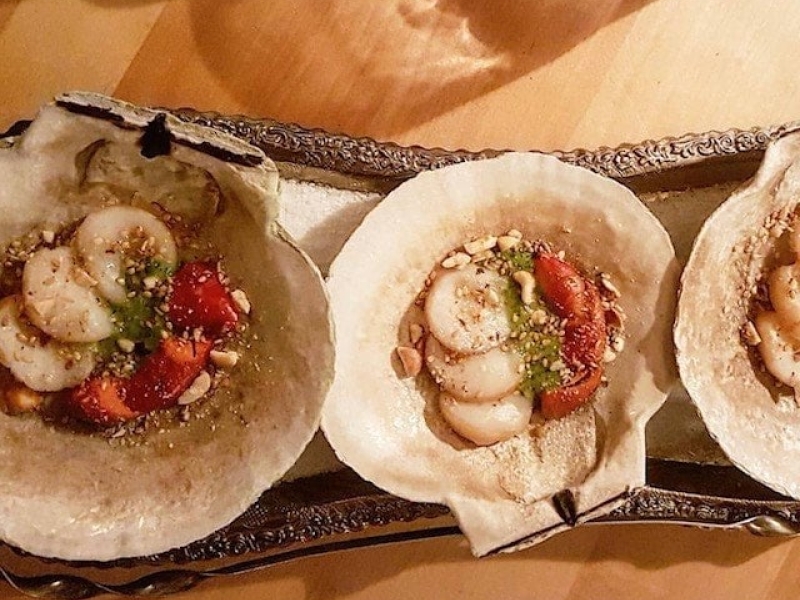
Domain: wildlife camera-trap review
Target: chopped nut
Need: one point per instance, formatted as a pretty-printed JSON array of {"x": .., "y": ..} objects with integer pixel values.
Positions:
[
  {"x": 48, "y": 237},
  {"x": 492, "y": 297},
  {"x": 483, "y": 256},
  {"x": 411, "y": 359},
  {"x": 224, "y": 359},
  {"x": 21, "y": 399},
  {"x": 126, "y": 345},
  {"x": 507, "y": 242},
  {"x": 150, "y": 282},
  {"x": 615, "y": 317},
  {"x": 458, "y": 260},
  {"x": 557, "y": 365},
  {"x": 241, "y": 301},
  {"x": 609, "y": 355},
  {"x": 618, "y": 344},
  {"x": 486, "y": 242},
  {"x": 415, "y": 332},
  {"x": 83, "y": 278},
  {"x": 609, "y": 286},
  {"x": 750, "y": 334},
  {"x": 197, "y": 390},
  {"x": 539, "y": 317},
  {"x": 527, "y": 284},
  {"x": 515, "y": 233}
]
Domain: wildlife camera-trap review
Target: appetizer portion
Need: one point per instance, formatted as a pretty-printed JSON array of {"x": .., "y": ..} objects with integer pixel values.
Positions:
[
  {"x": 481, "y": 312},
  {"x": 510, "y": 326},
  {"x": 112, "y": 318},
  {"x": 738, "y": 327},
  {"x": 165, "y": 348}
]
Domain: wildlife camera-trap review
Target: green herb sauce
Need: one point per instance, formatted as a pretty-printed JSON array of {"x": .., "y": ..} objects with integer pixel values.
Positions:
[
  {"x": 520, "y": 260},
  {"x": 538, "y": 348},
  {"x": 136, "y": 319}
]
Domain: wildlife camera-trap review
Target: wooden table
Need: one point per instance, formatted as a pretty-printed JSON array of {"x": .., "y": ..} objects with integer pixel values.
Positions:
[{"x": 453, "y": 73}]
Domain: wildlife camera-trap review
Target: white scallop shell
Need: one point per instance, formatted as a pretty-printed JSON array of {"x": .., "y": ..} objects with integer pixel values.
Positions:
[
  {"x": 755, "y": 421},
  {"x": 384, "y": 426},
  {"x": 75, "y": 496}
]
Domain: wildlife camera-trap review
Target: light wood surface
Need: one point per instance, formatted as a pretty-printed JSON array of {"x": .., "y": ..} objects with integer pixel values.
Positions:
[{"x": 453, "y": 73}]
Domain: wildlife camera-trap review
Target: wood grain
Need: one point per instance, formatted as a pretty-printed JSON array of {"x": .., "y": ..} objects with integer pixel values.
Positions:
[{"x": 453, "y": 73}]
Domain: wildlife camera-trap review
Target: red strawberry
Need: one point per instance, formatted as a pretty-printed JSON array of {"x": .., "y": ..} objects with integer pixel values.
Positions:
[
  {"x": 563, "y": 400},
  {"x": 167, "y": 373},
  {"x": 577, "y": 300},
  {"x": 585, "y": 339},
  {"x": 199, "y": 299},
  {"x": 562, "y": 285},
  {"x": 101, "y": 400}
]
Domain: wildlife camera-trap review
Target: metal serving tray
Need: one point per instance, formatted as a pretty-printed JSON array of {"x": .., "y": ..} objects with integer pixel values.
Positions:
[{"x": 328, "y": 507}]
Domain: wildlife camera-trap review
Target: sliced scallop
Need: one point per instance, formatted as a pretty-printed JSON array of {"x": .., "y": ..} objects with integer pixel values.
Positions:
[
  {"x": 778, "y": 349},
  {"x": 98, "y": 243},
  {"x": 59, "y": 299},
  {"x": 784, "y": 292},
  {"x": 465, "y": 309},
  {"x": 42, "y": 365},
  {"x": 475, "y": 377},
  {"x": 487, "y": 423}
]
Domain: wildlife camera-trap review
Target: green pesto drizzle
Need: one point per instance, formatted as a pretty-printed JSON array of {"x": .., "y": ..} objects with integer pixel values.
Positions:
[
  {"x": 519, "y": 260},
  {"x": 538, "y": 348},
  {"x": 137, "y": 318}
]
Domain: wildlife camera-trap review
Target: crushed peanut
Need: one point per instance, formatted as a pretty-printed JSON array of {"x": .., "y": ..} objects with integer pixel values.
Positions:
[
  {"x": 83, "y": 278},
  {"x": 606, "y": 282},
  {"x": 750, "y": 334},
  {"x": 241, "y": 301},
  {"x": 126, "y": 345},
  {"x": 483, "y": 256},
  {"x": 507, "y": 242},
  {"x": 458, "y": 260},
  {"x": 415, "y": 332},
  {"x": 197, "y": 390},
  {"x": 224, "y": 359},
  {"x": 411, "y": 360},
  {"x": 609, "y": 355},
  {"x": 21, "y": 399},
  {"x": 486, "y": 242}
]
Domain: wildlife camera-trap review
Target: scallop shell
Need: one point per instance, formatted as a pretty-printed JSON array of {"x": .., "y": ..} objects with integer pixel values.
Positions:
[
  {"x": 385, "y": 426},
  {"x": 755, "y": 421},
  {"x": 75, "y": 496}
]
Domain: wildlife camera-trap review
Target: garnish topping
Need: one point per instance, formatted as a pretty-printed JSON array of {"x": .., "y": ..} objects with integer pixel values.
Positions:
[{"x": 512, "y": 325}]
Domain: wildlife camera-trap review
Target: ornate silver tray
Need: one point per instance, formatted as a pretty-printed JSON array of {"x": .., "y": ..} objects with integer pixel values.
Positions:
[{"x": 689, "y": 480}]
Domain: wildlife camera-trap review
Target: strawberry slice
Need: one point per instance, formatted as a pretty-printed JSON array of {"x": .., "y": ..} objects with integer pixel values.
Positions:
[
  {"x": 562, "y": 285},
  {"x": 102, "y": 401},
  {"x": 167, "y": 373},
  {"x": 561, "y": 401},
  {"x": 585, "y": 339},
  {"x": 199, "y": 299},
  {"x": 578, "y": 301}
]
